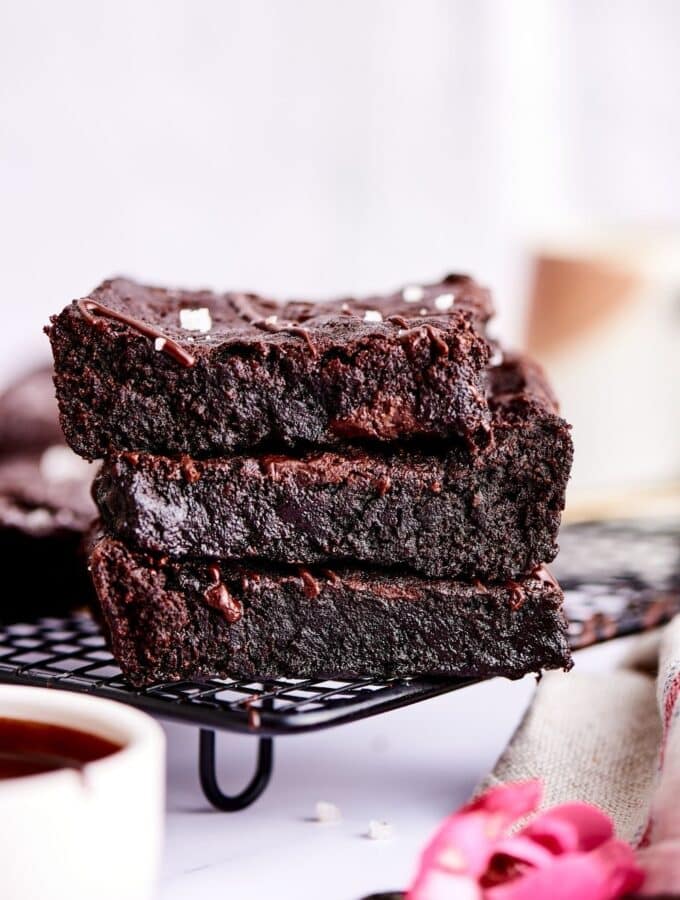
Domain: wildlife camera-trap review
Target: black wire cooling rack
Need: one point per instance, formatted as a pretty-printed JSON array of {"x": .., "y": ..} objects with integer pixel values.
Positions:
[{"x": 618, "y": 578}]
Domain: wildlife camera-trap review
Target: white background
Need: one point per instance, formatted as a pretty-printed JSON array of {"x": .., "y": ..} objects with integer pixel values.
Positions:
[{"x": 319, "y": 146}]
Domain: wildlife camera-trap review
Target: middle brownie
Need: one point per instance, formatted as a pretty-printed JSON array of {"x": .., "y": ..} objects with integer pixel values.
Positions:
[{"x": 443, "y": 513}]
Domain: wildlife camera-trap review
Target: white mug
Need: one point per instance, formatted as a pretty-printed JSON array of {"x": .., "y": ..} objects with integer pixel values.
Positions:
[{"x": 90, "y": 833}]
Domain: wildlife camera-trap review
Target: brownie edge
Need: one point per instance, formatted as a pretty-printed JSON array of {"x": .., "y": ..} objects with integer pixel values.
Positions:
[{"x": 173, "y": 620}]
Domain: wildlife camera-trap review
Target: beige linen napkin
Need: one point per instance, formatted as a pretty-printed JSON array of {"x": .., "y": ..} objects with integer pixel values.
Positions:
[{"x": 612, "y": 740}]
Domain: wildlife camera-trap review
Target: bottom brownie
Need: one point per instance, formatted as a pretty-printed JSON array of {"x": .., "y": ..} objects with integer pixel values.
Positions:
[{"x": 174, "y": 620}]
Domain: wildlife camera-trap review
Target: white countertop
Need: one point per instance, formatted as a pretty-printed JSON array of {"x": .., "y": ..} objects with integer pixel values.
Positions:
[{"x": 410, "y": 767}]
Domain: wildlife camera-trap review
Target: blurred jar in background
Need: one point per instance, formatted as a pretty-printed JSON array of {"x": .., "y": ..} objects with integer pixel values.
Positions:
[{"x": 604, "y": 319}]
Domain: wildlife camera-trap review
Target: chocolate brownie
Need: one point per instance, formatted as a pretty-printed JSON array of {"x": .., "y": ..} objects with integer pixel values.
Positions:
[
  {"x": 45, "y": 512},
  {"x": 447, "y": 512},
  {"x": 29, "y": 418},
  {"x": 169, "y": 372},
  {"x": 171, "y": 620}
]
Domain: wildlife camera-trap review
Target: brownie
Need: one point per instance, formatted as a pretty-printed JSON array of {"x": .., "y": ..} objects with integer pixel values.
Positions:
[
  {"x": 169, "y": 372},
  {"x": 29, "y": 418},
  {"x": 443, "y": 513},
  {"x": 45, "y": 512},
  {"x": 170, "y": 620}
]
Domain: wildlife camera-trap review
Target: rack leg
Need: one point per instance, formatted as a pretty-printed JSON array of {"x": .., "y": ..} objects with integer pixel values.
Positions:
[{"x": 208, "y": 775}]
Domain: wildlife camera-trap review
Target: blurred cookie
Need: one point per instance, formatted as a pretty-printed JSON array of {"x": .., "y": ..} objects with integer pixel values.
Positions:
[
  {"x": 29, "y": 418},
  {"x": 45, "y": 508},
  {"x": 45, "y": 503}
]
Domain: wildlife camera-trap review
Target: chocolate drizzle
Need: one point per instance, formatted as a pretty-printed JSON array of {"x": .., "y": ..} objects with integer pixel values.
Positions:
[
  {"x": 245, "y": 309},
  {"x": 518, "y": 590},
  {"x": 170, "y": 347},
  {"x": 219, "y": 598},
  {"x": 425, "y": 329},
  {"x": 517, "y": 595},
  {"x": 309, "y": 583},
  {"x": 437, "y": 340}
]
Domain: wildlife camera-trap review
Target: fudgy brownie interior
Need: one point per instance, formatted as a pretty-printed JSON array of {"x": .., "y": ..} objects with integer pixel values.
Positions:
[{"x": 446, "y": 512}]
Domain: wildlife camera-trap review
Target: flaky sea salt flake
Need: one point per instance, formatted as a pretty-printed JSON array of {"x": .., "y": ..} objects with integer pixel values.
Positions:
[
  {"x": 444, "y": 302},
  {"x": 195, "y": 319},
  {"x": 413, "y": 293}
]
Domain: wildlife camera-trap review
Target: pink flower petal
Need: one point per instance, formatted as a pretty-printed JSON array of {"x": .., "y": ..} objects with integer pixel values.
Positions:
[
  {"x": 570, "y": 827},
  {"x": 606, "y": 873},
  {"x": 565, "y": 853},
  {"x": 524, "y": 850},
  {"x": 511, "y": 800},
  {"x": 465, "y": 842}
]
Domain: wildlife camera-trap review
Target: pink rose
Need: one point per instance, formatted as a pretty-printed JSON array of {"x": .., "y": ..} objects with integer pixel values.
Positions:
[{"x": 567, "y": 852}]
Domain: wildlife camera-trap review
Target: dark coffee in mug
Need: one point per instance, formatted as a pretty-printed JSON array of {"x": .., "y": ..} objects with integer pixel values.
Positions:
[{"x": 32, "y": 748}]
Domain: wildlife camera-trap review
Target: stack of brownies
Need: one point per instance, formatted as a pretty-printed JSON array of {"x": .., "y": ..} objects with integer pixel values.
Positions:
[{"x": 315, "y": 489}]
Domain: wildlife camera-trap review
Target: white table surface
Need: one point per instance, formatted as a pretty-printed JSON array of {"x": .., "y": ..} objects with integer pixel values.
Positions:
[{"x": 410, "y": 767}]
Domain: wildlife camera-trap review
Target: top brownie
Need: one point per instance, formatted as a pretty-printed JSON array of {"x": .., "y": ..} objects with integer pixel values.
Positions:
[{"x": 172, "y": 372}]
